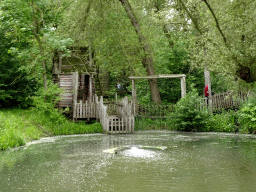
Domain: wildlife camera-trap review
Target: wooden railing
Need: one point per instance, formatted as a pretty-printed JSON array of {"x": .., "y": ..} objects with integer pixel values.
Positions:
[
  {"x": 101, "y": 113},
  {"x": 223, "y": 100},
  {"x": 120, "y": 122},
  {"x": 84, "y": 110},
  {"x": 125, "y": 110}
]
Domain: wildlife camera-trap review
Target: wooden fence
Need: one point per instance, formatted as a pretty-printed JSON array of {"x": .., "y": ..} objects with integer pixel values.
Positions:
[
  {"x": 125, "y": 110},
  {"x": 120, "y": 122},
  {"x": 154, "y": 111},
  {"x": 223, "y": 100},
  {"x": 84, "y": 110},
  {"x": 219, "y": 101}
]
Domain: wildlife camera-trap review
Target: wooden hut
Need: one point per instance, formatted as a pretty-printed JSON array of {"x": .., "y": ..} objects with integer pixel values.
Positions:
[{"x": 75, "y": 75}]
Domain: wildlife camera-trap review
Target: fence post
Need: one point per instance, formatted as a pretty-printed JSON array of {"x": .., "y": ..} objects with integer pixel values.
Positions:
[
  {"x": 183, "y": 86},
  {"x": 134, "y": 97}
]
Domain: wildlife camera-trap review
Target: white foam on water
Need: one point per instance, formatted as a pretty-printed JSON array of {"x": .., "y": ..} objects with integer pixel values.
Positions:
[
  {"x": 136, "y": 152},
  {"x": 42, "y": 140}
]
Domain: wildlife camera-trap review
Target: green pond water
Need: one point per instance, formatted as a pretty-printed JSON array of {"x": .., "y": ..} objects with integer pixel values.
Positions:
[{"x": 194, "y": 162}]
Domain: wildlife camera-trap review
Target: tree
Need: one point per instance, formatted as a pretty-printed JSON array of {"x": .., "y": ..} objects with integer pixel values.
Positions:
[
  {"x": 147, "y": 60},
  {"x": 36, "y": 22},
  {"x": 227, "y": 31},
  {"x": 16, "y": 85}
]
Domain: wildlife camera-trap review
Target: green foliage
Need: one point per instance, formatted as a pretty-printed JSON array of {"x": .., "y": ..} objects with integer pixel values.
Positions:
[
  {"x": 215, "y": 45},
  {"x": 143, "y": 91},
  {"x": 21, "y": 23},
  {"x": 226, "y": 121},
  {"x": 70, "y": 128},
  {"x": 187, "y": 115},
  {"x": 54, "y": 121},
  {"x": 150, "y": 124},
  {"x": 16, "y": 85},
  {"x": 45, "y": 102},
  {"x": 247, "y": 116}
]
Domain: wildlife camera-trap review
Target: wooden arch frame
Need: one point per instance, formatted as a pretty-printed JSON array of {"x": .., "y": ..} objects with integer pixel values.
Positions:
[{"x": 182, "y": 78}]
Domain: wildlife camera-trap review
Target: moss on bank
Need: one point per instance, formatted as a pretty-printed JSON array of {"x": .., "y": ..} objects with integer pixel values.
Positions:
[{"x": 19, "y": 126}]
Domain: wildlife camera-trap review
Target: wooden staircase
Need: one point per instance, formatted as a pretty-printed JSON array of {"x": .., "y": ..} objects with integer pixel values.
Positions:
[{"x": 121, "y": 121}]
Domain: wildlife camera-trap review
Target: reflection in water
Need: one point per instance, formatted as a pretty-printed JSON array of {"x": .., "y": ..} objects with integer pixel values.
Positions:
[{"x": 194, "y": 162}]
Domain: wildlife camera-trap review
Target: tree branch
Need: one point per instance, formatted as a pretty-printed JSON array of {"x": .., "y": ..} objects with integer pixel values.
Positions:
[
  {"x": 191, "y": 17},
  {"x": 217, "y": 23},
  {"x": 35, "y": 25}
]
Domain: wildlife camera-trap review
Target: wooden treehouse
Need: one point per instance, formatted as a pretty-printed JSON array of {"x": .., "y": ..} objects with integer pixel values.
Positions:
[{"x": 76, "y": 76}]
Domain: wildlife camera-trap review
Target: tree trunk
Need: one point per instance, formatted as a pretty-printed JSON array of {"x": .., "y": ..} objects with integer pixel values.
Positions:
[
  {"x": 148, "y": 60},
  {"x": 35, "y": 25}
]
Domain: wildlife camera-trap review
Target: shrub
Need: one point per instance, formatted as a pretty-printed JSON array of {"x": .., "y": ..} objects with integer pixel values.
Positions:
[
  {"x": 46, "y": 100},
  {"x": 247, "y": 116},
  {"x": 187, "y": 115},
  {"x": 222, "y": 122}
]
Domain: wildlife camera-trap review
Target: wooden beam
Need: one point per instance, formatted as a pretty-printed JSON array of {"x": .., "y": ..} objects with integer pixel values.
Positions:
[{"x": 159, "y": 76}]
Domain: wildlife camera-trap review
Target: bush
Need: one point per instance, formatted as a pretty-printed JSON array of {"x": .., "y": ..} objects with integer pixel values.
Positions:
[
  {"x": 45, "y": 103},
  {"x": 247, "y": 116},
  {"x": 187, "y": 115},
  {"x": 16, "y": 81},
  {"x": 222, "y": 122}
]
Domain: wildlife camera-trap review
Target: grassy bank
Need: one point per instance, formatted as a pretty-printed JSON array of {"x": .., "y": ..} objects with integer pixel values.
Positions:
[{"x": 18, "y": 126}]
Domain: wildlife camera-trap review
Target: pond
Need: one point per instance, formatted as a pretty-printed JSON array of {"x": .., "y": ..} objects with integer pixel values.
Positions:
[{"x": 174, "y": 161}]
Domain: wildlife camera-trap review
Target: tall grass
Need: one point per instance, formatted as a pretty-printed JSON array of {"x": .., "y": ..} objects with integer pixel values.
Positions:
[
  {"x": 15, "y": 130},
  {"x": 151, "y": 124},
  {"x": 18, "y": 126}
]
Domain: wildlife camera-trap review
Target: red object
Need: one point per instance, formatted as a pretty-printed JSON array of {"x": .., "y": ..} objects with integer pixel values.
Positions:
[{"x": 206, "y": 94}]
